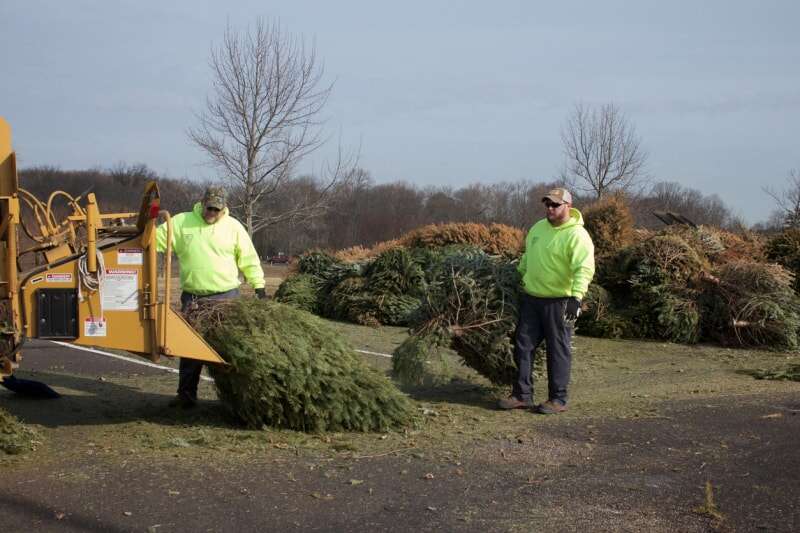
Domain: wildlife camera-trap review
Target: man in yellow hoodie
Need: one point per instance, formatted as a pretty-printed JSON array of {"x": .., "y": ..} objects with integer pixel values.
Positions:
[
  {"x": 212, "y": 248},
  {"x": 556, "y": 268}
]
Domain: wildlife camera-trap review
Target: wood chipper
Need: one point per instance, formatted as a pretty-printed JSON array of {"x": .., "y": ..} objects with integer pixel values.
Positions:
[{"x": 86, "y": 278}]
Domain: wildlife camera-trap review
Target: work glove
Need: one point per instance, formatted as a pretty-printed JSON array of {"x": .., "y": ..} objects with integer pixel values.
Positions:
[
  {"x": 261, "y": 293},
  {"x": 572, "y": 310}
]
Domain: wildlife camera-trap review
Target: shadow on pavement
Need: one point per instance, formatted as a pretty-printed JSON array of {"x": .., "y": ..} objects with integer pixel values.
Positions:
[{"x": 87, "y": 401}]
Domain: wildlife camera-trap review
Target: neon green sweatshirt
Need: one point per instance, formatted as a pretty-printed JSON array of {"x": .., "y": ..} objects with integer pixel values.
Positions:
[
  {"x": 211, "y": 255},
  {"x": 558, "y": 260}
]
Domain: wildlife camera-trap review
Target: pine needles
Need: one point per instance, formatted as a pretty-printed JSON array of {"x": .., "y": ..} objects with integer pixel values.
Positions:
[
  {"x": 494, "y": 239},
  {"x": 610, "y": 224},
  {"x": 784, "y": 249},
  {"x": 753, "y": 304},
  {"x": 788, "y": 373},
  {"x": 300, "y": 291},
  {"x": 456, "y": 286},
  {"x": 15, "y": 437},
  {"x": 290, "y": 370},
  {"x": 685, "y": 284},
  {"x": 410, "y": 358},
  {"x": 470, "y": 306}
]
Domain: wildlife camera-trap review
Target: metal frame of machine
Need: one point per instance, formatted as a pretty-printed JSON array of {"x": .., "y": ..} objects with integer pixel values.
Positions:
[{"x": 92, "y": 280}]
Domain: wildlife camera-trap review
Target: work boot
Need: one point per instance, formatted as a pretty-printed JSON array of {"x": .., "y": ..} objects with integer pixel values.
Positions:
[
  {"x": 184, "y": 401},
  {"x": 550, "y": 407},
  {"x": 512, "y": 402}
]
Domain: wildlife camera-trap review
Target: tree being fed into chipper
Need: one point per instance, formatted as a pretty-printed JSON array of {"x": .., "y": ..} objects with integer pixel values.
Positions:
[{"x": 92, "y": 279}]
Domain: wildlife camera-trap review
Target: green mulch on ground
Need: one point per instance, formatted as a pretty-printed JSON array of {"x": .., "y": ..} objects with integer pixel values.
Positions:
[
  {"x": 15, "y": 437},
  {"x": 789, "y": 373}
]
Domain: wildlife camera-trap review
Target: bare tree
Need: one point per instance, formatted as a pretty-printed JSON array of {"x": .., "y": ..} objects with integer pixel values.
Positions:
[
  {"x": 475, "y": 202},
  {"x": 788, "y": 201},
  {"x": 602, "y": 151},
  {"x": 263, "y": 117}
]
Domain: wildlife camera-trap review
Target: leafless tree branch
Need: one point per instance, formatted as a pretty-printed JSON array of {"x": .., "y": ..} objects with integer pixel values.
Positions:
[
  {"x": 788, "y": 200},
  {"x": 263, "y": 116},
  {"x": 602, "y": 151}
]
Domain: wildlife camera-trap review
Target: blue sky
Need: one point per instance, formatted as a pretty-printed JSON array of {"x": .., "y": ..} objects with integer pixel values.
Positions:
[{"x": 435, "y": 93}]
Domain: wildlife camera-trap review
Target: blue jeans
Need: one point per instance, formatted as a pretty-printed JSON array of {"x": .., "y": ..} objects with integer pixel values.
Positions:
[
  {"x": 190, "y": 369},
  {"x": 543, "y": 319}
]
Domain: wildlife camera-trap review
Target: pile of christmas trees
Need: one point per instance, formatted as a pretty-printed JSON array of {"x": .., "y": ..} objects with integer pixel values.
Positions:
[{"x": 457, "y": 286}]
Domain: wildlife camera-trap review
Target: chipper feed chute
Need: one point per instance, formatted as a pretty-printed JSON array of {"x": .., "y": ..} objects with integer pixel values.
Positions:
[{"x": 86, "y": 278}]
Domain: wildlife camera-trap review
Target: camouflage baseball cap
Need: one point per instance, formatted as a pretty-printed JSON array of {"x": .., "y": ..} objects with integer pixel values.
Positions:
[{"x": 214, "y": 197}]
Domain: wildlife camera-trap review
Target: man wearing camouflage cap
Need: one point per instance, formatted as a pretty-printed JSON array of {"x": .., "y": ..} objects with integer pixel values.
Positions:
[
  {"x": 212, "y": 248},
  {"x": 556, "y": 268}
]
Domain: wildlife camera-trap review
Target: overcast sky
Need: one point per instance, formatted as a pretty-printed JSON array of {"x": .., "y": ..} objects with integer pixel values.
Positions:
[{"x": 435, "y": 93}]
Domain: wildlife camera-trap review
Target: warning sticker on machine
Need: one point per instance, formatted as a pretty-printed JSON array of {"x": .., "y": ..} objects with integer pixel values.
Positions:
[
  {"x": 120, "y": 290},
  {"x": 129, "y": 256},
  {"x": 94, "y": 327},
  {"x": 62, "y": 277}
]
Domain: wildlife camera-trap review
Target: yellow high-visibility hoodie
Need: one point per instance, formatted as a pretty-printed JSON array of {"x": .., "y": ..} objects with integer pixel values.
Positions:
[
  {"x": 558, "y": 260},
  {"x": 211, "y": 255}
]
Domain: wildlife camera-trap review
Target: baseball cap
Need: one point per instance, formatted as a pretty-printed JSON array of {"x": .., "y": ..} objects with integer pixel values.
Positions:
[
  {"x": 214, "y": 197},
  {"x": 559, "y": 196}
]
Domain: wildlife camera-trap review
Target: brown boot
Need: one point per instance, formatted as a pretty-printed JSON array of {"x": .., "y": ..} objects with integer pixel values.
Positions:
[
  {"x": 512, "y": 402},
  {"x": 550, "y": 407}
]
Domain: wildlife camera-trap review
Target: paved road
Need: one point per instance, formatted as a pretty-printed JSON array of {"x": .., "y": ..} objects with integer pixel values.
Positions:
[
  {"x": 45, "y": 356},
  {"x": 641, "y": 475}
]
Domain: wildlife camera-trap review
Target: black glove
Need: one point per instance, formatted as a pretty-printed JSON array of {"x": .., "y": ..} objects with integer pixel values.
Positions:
[
  {"x": 261, "y": 293},
  {"x": 573, "y": 309}
]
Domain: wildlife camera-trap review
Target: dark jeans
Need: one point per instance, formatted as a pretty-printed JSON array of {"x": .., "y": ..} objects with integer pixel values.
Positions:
[
  {"x": 543, "y": 319},
  {"x": 190, "y": 369}
]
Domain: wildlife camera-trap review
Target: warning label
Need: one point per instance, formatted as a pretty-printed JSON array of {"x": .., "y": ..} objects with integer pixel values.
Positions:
[
  {"x": 129, "y": 256},
  {"x": 121, "y": 290},
  {"x": 58, "y": 278},
  {"x": 94, "y": 327}
]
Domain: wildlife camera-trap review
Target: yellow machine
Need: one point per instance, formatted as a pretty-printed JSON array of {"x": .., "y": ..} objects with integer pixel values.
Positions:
[{"x": 88, "y": 279}]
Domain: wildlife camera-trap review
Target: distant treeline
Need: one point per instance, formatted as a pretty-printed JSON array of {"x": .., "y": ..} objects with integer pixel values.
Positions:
[
  {"x": 363, "y": 212},
  {"x": 118, "y": 188}
]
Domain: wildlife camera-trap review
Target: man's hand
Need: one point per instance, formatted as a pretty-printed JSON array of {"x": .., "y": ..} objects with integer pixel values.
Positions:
[
  {"x": 573, "y": 309},
  {"x": 261, "y": 293}
]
